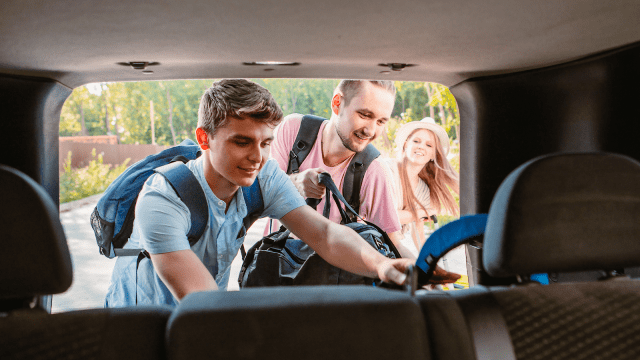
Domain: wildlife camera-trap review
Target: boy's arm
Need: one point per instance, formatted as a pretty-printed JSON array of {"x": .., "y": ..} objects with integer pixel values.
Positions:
[
  {"x": 343, "y": 247},
  {"x": 162, "y": 222},
  {"x": 183, "y": 272}
]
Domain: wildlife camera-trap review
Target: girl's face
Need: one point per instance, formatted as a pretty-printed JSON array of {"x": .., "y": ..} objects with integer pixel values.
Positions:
[{"x": 420, "y": 147}]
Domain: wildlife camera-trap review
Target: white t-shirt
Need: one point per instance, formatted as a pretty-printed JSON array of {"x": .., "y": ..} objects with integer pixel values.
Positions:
[{"x": 423, "y": 195}]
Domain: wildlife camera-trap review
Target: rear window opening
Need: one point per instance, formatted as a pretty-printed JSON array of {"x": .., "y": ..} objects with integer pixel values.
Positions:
[{"x": 106, "y": 127}]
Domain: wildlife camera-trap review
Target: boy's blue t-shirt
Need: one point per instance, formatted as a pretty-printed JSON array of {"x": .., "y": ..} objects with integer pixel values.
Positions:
[{"x": 162, "y": 221}]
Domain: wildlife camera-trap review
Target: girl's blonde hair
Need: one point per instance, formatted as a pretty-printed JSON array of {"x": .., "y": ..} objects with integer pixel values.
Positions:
[{"x": 439, "y": 176}]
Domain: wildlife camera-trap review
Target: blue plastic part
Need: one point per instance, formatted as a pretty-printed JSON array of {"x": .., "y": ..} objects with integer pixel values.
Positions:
[
  {"x": 450, "y": 236},
  {"x": 541, "y": 278}
]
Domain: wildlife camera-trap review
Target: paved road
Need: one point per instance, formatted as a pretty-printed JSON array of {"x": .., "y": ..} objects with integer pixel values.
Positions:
[{"x": 92, "y": 271}]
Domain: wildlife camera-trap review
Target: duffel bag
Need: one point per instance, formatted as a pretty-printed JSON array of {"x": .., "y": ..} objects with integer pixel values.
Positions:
[{"x": 280, "y": 260}]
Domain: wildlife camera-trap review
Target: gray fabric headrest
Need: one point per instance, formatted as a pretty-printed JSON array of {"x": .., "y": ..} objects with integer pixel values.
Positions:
[
  {"x": 564, "y": 213},
  {"x": 34, "y": 257}
]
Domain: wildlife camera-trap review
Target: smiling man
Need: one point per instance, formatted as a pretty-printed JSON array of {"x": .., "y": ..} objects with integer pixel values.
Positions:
[
  {"x": 236, "y": 121},
  {"x": 360, "y": 110}
]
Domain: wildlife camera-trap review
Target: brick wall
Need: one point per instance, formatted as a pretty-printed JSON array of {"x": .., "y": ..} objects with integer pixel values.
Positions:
[{"x": 114, "y": 154}]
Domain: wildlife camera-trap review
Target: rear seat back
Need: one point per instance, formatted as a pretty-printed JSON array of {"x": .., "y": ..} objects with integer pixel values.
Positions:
[
  {"x": 565, "y": 213},
  {"x": 561, "y": 213},
  {"x": 346, "y": 322},
  {"x": 35, "y": 261}
]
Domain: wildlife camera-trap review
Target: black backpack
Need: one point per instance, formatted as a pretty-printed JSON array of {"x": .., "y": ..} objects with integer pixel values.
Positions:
[
  {"x": 278, "y": 260},
  {"x": 307, "y": 135}
]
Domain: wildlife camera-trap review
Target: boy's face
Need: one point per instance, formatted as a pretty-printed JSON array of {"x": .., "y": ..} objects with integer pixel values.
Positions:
[{"x": 237, "y": 152}]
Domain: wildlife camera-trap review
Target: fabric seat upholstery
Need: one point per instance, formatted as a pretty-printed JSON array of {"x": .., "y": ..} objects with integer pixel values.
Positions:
[
  {"x": 35, "y": 261},
  {"x": 347, "y": 322},
  {"x": 558, "y": 213}
]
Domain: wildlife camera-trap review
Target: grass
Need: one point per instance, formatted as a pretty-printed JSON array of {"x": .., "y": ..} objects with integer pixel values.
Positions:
[{"x": 79, "y": 183}]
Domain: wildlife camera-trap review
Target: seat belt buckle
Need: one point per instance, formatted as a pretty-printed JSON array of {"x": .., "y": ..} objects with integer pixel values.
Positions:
[{"x": 411, "y": 282}]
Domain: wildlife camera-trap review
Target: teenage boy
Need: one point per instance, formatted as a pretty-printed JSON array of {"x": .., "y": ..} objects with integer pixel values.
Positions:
[{"x": 235, "y": 130}]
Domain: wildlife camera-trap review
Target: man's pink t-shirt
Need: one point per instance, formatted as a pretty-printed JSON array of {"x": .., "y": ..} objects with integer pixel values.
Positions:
[{"x": 376, "y": 197}]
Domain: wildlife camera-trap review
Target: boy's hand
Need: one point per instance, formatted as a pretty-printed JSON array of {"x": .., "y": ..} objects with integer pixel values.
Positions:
[{"x": 392, "y": 270}]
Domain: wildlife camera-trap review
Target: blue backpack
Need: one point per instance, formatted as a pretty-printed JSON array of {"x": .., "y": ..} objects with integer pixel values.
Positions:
[{"x": 112, "y": 218}]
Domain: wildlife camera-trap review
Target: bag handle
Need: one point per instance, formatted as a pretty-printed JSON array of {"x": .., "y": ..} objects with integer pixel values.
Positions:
[
  {"x": 331, "y": 188},
  {"x": 325, "y": 179}
]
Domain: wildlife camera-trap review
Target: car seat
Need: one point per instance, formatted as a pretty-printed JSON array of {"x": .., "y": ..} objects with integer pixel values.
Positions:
[
  {"x": 35, "y": 261},
  {"x": 555, "y": 214},
  {"x": 298, "y": 322}
]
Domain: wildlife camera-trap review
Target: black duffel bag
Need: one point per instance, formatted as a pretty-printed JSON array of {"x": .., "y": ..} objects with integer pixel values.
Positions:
[{"x": 279, "y": 260}]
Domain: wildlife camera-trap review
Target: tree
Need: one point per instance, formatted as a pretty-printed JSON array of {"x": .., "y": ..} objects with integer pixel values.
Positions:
[{"x": 123, "y": 108}]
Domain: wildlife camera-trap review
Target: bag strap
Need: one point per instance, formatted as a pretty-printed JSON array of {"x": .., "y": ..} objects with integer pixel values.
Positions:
[
  {"x": 185, "y": 184},
  {"x": 187, "y": 187},
  {"x": 355, "y": 174},
  {"x": 302, "y": 145},
  {"x": 255, "y": 207},
  {"x": 306, "y": 137},
  {"x": 332, "y": 190},
  {"x": 489, "y": 330}
]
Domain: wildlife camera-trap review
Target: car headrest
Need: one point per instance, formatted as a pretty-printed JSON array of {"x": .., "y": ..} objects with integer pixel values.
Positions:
[
  {"x": 298, "y": 322},
  {"x": 34, "y": 258},
  {"x": 565, "y": 213}
]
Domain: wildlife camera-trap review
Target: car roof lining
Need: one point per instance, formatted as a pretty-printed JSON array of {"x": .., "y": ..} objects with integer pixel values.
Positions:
[{"x": 449, "y": 41}]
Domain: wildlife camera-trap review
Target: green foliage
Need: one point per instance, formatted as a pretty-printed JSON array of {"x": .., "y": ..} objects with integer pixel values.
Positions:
[
  {"x": 413, "y": 104},
  {"x": 123, "y": 108},
  {"x": 302, "y": 96},
  {"x": 79, "y": 183}
]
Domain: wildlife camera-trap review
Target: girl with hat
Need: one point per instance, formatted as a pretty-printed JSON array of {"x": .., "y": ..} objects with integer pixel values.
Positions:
[{"x": 422, "y": 176}]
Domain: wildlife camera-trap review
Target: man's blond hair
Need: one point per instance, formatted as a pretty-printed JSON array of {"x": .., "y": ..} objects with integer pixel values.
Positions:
[{"x": 350, "y": 88}]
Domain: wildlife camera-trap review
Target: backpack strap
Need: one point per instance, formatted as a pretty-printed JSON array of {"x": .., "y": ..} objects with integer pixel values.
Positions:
[
  {"x": 355, "y": 173},
  {"x": 255, "y": 207},
  {"x": 185, "y": 184},
  {"x": 307, "y": 135}
]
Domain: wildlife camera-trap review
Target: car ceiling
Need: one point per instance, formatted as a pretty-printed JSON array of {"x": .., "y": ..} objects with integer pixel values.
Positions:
[{"x": 448, "y": 41}]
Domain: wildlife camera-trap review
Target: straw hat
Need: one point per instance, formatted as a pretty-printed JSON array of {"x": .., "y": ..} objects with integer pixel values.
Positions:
[{"x": 427, "y": 123}]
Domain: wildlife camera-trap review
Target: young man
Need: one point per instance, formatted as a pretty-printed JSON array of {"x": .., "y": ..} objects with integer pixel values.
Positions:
[
  {"x": 235, "y": 130},
  {"x": 360, "y": 112}
]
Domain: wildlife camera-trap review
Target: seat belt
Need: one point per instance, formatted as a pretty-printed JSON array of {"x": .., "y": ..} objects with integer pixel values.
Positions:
[{"x": 489, "y": 331}]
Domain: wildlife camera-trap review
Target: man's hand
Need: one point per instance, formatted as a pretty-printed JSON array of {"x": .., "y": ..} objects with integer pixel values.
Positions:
[
  {"x": 307, "y": 183},
  {"x": 392, "y": 270},
  {"x": 441, "y": 276}
]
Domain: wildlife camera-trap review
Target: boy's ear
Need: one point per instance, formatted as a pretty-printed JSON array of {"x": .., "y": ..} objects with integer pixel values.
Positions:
[
  {"x": 336, "y": 102},
  {"x": 203, "y": 138}
]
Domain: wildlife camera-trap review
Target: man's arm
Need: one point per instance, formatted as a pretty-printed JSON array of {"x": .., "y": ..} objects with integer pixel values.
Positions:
[
  {"x": 343, "y": 247},
  {"x": 183, "y": 272}
]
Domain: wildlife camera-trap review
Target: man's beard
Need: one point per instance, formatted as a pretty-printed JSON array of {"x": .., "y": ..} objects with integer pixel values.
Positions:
[{"x": 346, "y": 142}]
